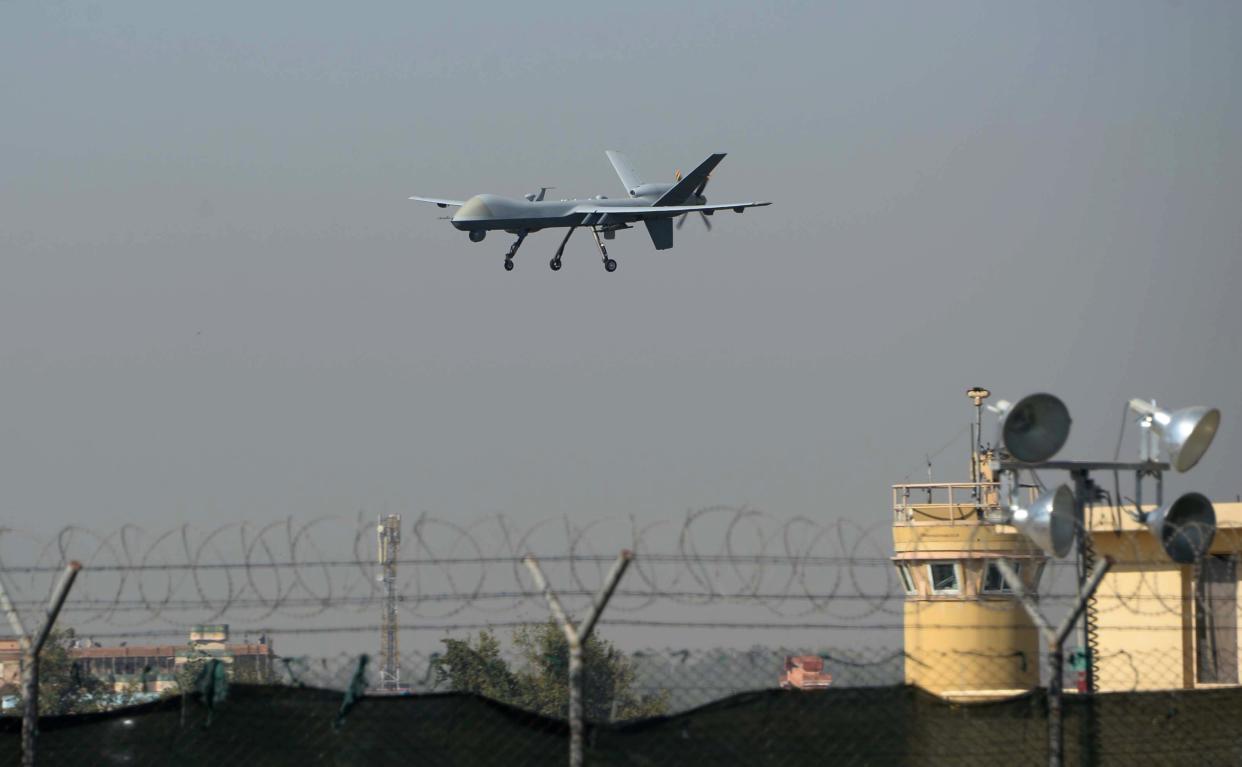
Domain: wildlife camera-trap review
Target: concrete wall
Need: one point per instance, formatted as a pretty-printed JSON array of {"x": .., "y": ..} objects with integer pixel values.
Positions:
[
  {"x": 969, "y": 644},
  {"x": 1145, "y": 616},
  {"x": 971, "y": 649},
  {"x": 1145, "y": 605}
]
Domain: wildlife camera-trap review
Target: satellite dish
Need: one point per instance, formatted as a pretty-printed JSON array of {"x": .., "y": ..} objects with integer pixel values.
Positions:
[
  {"x": 1034, "y": 429},
  {"x": 1049, "y": 522},
  {"x": 1185, "y": 528}
]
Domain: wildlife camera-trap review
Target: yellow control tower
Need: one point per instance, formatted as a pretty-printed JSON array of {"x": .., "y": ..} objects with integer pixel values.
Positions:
[{"x": 966, "y": 635}]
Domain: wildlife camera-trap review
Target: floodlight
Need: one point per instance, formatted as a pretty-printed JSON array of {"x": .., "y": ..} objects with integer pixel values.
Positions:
[
  {"x": 1185, "y": 528},
  {"x": 1049, "y": 522},
  {"x": 1034, "y": 429},
  {"x": 1186, "y": 434}
]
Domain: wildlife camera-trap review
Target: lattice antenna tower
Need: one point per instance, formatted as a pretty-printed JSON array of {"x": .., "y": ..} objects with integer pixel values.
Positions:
[{"x": 388, "y": 535}]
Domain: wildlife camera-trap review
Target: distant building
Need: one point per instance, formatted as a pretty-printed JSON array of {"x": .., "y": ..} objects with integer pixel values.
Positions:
[
  {"x": 804, "y": 672},
  {"x": 10, "y": 672},
  {"x": 153, "y": 668}
]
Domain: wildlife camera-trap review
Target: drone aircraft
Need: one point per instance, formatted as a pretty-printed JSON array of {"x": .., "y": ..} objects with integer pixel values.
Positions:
[{"x": 655, "y": 204}]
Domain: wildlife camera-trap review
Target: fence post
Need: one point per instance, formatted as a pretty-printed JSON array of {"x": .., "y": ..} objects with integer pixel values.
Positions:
[
  {"x": 1056, "y": 641},
  {"x": 576, "y": 637},
  {"x": 31, "y": 647}
]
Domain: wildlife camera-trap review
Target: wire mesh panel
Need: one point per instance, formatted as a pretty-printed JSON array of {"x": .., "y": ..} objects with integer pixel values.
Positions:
[
  {"x": 887, "y": 725},
  {"x": 733, "y": 638}
]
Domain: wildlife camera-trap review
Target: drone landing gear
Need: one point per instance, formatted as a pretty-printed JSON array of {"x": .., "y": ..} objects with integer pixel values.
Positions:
[
  {"x": 513, "y": 250},
  {"x": 609, "y": 264},
  {"x": 555, "y": 263}
]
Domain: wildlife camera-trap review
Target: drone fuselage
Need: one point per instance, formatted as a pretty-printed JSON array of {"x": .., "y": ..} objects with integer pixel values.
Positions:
[{"x": 489, "y": 211}]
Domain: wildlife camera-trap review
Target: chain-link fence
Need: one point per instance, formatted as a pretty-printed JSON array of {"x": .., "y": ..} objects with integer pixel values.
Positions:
[
  {"x": 733, "y": 638},
  {"x": 882, "y": 725}
]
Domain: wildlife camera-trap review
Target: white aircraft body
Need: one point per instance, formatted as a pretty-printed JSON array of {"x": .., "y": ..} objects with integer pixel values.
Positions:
[{"x": 654, "y": 204}]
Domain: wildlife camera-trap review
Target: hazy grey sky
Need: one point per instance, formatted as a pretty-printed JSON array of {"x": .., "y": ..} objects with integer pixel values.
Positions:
[{"x": 218, "y": 305}]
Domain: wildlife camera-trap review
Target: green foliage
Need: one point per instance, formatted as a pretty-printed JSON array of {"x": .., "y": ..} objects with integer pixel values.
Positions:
[
  {"x": 540, "y": 682},
  {"x": 252, "y": 670},
  {"x": 477, "y": 668},
  {"x": 186, "y": 674},
  {"x": 64, "y": 687},
  {"x": 239, "y": 670}
]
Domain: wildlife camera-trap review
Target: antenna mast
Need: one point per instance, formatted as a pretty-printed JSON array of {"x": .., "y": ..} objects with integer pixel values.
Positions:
[
  {"x": 977, "y": 395},
  {"x": 388, "y": 534}
]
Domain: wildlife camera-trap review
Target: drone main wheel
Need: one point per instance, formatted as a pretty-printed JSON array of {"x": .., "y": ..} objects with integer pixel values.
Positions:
[
  {"x": 555, "y": 264},
  {"x": 508, "y": 265},
  {"x": 610, "y": 265}
]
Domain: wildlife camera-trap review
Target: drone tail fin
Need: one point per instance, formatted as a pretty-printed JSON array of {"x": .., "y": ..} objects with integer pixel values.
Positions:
[
  {"x": 693, "y": 180},
  {"x": 625, "y": 170}
]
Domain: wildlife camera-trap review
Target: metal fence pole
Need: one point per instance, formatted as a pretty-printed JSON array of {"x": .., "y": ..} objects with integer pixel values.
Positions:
[
  {"x": 1056, "y": 641},
  {"x": 31, "y": 647},
  {"x": 1056, "y": 712},
  {"x": 576, "y": 637}
]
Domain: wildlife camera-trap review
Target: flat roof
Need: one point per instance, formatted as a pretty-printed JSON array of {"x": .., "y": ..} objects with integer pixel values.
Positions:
[{"x": 1111, "y": 519}]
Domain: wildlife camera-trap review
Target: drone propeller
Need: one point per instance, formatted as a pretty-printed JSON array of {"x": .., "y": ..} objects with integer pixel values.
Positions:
[{"x": 697, "y": 193}]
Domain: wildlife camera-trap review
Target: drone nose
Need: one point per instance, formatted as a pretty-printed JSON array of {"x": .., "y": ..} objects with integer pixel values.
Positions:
[{"x": 473, "y": 209}]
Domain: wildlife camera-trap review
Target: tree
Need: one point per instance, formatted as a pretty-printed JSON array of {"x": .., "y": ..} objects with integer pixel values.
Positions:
[
  {"x": 252, "y": 669},
  {"x": 65, "y": 687},
  {"x": 239, "y": 669},
  {"x": 477, "y": 668},
  {"x": 187, "y": 673},
  {"x": 540, "y": 682}
]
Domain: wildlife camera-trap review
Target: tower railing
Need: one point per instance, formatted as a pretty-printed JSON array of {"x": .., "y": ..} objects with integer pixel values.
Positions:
[{"x": 948, "y": 502}]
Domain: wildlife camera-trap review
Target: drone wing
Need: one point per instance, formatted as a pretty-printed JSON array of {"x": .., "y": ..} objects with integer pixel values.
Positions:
[
  {"x": 658, "y": 218},
  {"x": 635, "y": 212},
  {"x": 439, "y": 201}
]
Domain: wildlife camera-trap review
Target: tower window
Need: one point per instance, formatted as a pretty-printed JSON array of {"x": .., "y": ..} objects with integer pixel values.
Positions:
[
  {"x": 907, "y": 580},
  {"x": 994, "y": 582},
  {"x": 944, "y": 577}
]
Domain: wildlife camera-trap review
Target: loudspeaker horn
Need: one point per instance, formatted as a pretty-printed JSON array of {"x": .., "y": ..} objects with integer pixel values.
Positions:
[
  {"x": 1033, "y": 430},
  {"x": 1186, "y": 434},
  {"x": 1049, "y": 522},
  {"x": 1185, "y": 528}
]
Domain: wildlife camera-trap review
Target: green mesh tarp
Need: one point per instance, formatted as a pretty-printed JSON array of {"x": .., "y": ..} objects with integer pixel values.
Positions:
[{"x": 862, "y": 726}]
